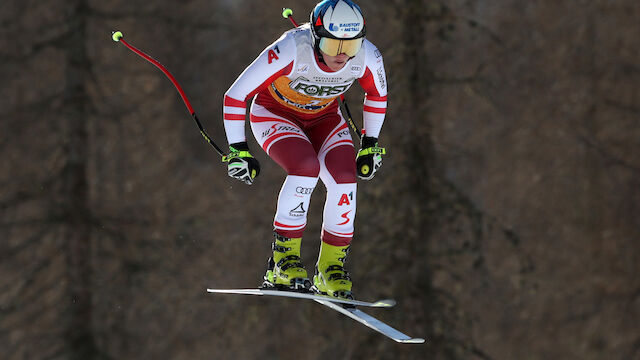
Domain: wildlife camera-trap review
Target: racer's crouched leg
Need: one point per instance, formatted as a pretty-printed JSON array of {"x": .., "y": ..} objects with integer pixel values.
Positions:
[
  {"x": 299, "y": 160},
  {"x": 338, "y": 173},
  {"x": 297, "y": 157}
]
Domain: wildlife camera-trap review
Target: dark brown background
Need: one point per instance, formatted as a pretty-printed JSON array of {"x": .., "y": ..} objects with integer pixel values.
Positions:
[{"x": 505, "y": 219}]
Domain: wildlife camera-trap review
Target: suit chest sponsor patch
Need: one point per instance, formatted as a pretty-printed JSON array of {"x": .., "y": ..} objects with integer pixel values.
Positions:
[{"x": 320, "y": 89}]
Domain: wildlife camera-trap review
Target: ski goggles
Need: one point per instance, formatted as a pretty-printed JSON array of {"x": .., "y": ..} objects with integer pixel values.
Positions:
[{"x": 335, "y": 47}]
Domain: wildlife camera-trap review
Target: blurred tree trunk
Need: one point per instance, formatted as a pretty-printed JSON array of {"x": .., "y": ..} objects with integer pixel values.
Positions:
[{"x": 73, "y": 186}]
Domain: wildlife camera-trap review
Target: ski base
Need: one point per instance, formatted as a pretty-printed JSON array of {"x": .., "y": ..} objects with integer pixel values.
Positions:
[
  {"x": 385, "y": 303},
  {"x": 372, "y": 323}
]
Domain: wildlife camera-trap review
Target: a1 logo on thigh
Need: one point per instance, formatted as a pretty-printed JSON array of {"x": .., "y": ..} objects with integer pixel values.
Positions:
[{"x": 346, "y": 199}]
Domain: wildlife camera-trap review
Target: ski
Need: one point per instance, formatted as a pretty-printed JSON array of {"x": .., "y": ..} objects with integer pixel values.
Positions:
[
  {"x": 385, "y": 303},
  {"x": 372, "y": 323}
]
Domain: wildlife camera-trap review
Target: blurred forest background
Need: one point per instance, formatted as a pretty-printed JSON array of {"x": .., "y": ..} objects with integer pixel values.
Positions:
[{"x": 505, "y": 220}]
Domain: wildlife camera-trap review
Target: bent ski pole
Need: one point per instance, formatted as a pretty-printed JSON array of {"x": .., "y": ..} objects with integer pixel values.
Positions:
[
  {"x": 118, "y": 37},
  {"x": 288, "y": 14}
]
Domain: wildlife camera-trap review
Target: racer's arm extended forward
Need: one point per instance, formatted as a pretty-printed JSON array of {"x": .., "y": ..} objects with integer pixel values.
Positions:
[
  {"x": 374, "y": 83},
  {"x": 275, "y": 61}
]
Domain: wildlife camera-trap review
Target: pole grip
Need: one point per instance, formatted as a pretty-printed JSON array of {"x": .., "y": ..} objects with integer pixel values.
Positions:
[{"x": 288, "y": 14}]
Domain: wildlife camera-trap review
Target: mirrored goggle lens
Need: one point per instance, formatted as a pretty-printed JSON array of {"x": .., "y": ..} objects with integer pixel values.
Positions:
[{"x": 334, "y": 47}]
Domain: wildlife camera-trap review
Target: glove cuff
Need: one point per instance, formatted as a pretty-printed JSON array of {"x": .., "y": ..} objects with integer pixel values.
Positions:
[
  {"x": 241, "y": 146},
  {"x": 237, "y": 150},
  {"x": 370, "y": 146},
  {"x": 369, "y": 141}
]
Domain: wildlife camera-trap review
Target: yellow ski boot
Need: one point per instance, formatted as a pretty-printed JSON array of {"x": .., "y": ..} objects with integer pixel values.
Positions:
[
  {"x": 331, "y": 278},
  {"x": 285, "y": 270}
]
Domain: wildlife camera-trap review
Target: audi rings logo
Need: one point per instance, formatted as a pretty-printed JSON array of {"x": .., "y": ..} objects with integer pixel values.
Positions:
[{"x": 303, "y": 190}]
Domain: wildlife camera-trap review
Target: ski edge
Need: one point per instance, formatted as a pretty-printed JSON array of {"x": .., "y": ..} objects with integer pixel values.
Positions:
[
  {"x": 373, "y": 323},
  {"x": 384, "y": 303}
]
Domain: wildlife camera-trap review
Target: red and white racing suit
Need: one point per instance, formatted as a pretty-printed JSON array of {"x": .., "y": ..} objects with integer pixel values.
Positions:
[{"x": 296, "y": 119}]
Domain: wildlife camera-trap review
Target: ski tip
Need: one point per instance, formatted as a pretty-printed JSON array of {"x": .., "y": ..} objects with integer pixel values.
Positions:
[
  {"x": 412, "y": 341},
  {"x": 233, "y": 291},
  {"x": 385, "y": 303}
]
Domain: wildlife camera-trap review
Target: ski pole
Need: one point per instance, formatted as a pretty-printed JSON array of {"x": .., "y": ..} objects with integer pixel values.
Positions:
[
  {"x": 288, "y": 14},
  {"x": 118, "y": 37}
]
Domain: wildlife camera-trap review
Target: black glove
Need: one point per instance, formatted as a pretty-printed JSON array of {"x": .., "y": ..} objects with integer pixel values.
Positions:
[
  {"x": 369, "y": 158},
  {"x": 242, "y": 165}
]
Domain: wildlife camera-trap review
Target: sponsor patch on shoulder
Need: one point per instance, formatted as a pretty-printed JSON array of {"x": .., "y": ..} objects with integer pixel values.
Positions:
[{"x": 381, "y": 77}]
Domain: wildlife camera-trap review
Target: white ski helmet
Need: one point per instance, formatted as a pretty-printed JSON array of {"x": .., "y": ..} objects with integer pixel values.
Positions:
[{"x": 338, "y": 27}]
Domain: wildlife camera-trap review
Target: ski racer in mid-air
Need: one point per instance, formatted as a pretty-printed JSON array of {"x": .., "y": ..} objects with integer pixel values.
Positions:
[{"x": 296, "y": 119}]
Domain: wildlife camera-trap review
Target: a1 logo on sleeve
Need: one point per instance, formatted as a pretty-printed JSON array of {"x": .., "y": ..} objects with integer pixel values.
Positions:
[{"x": 272, "y": 54}]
